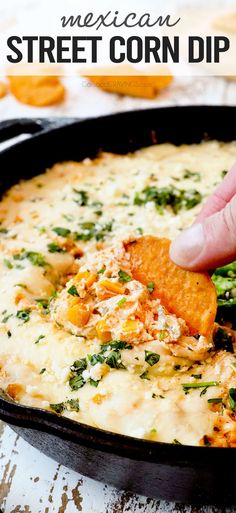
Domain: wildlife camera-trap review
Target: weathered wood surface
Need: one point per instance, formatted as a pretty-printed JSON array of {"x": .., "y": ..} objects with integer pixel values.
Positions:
[
  {"x": 33, "y": 483},
  {"x": 29, "y": 481}
]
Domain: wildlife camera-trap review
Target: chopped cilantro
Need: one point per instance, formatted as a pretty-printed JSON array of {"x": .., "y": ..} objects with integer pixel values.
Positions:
[
  {"x": 73, "y": 404},
  {"x": 191, "y": 174},
  {"x": 87, "y": 225},
  {"x": 224, "y": 279},
  {"x": 191, "y": 198},
  {"x": 62, "y": 232},
  {"x": 215, "y": 400},
  {"x": 81, "y": 198},
  {"x": 43, "y": 370},
  {"x": 101, "y": 271},
  {"x": 93, "y": 382},
  {"x": 95, "y": 358},
  {"x": 53, "y": 247},
  {"x": 96, "y": 204},
  {"x": 76, "y": 382},
  {"x": 122, "y": 301},
  {"x": 232, "y": 398},
  {"x": 224, "y": 173},
  {"x": 79, "y": 365},
  {"x": 6, "y": 318},
  {"x": 70, "y": 405},
  {"x": 176, "y": 442},
  {"x": 196, "y": 376},
  {"x": 173, "y": 197},
  {"x": 144, "y": 375},
  {"x": 203, "y": 392},
  {"x": 73, "y": 291},
  {"x": 91, "y": 230},
  {"x": 114, "y": 360},
  {"x": 115, "y": 344},
  {"x": 151, "y": 358},
  {"x": 203, "y": 384},
  {"x": 124, "y": 277},
  {"x": 4, "y": 231},
  {"x": 43, "y": 305},
  {"x": 58, "y": 407},
  {"x": 24, "y": 315},
  {"x": 7, "y": 263},
  {"x": 40, "y": 337},
  {"x": 151, "y": 286},
  {"x": 9, "y": 334},
  {"x": 35, "y": 258},
  {"x": 68, "y": 217}
]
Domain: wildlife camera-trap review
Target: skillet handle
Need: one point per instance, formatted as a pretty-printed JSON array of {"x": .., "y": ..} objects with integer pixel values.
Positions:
[{"x": 15, "y": 127}]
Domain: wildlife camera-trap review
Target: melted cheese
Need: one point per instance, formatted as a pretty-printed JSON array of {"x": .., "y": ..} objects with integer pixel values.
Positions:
[{"x": 93, "y": 205}]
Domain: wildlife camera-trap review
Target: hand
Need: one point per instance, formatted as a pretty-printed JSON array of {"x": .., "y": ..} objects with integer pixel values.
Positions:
[{"x": 211, "y": 241}]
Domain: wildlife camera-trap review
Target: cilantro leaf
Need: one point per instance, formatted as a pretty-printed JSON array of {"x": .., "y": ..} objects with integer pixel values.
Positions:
[
  {"x": 73, "y": 405},
  {"x": 232, "y": 398},
  {"x": 114, "y": 360},
  {"x": 81, "y": 197},
  {"x": 124, "y": 277},
  {"x": 62, "y": 232},
  {"x": 144, "y": 375},
  {"x": 151, "y": 286},
  {"x": 24, "y": 315},
  {"x": 53, "y": 247},
  {"x": 73, "y": 291},
  {"x": 151, "y": 358},
  {"x": 57, "y": 407}
]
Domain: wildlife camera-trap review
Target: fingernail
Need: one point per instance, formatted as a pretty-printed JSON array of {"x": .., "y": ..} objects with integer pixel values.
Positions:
[{"x": 185, "y": 250}]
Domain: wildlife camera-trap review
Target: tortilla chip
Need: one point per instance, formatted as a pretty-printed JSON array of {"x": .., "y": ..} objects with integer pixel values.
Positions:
[
  {"x": 129, "y": 84},
  {"x": 3, "y": 90},
  {"x": 189, "y": 295},
  {"x": 125, "y": 85},
  {"x": 38, "y": 91},
  {"x": 226, "y": 22}
]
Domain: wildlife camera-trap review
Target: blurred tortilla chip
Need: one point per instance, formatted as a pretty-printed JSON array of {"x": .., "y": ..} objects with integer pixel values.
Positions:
[
  {"x": 129, "y": 82},
  {"x": 3, "y": 90},
  {"x": 37, "y": 91}
]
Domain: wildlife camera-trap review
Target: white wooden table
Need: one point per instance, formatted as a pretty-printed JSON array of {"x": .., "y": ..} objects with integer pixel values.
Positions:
[{"x": 29, "y": 481}]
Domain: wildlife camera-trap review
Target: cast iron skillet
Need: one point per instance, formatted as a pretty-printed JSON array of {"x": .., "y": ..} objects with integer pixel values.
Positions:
[{"x": 171, "y": 472}]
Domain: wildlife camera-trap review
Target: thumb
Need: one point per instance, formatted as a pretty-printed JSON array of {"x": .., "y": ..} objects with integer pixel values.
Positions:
[{"x": 209, "y": 244}]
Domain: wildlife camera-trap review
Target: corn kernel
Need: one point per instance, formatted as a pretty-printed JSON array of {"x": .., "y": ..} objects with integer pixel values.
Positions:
[
  {"x": 98, "y": 398},
  {"x": 130, "y": 326},
  {"x": 87, "y": 277},
  {"x": 103, "y": 332},
  {"x": 78, "y": 314},
  {"x": 14, "y": 390},
  {"x": 115, "y": 287}
]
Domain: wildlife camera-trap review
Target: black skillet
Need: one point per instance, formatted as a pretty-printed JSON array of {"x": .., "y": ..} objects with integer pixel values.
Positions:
[{"x": 171, "y": 472}]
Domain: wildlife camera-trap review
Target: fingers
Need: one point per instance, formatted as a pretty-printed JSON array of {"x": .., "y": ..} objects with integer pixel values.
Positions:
[
  {"x": 222, "y": 195},
  {"x": 210, "y": 243}
]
